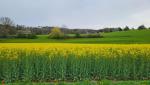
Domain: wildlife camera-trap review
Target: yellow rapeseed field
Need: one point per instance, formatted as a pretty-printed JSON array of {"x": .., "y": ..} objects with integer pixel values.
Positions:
[
  {"x": 107, "y": 50},
  {"x": 57, "y": 61}
]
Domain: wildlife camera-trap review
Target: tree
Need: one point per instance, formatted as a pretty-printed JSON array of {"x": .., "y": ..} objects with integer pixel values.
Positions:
[
  {"x": 142, "y": 27},
  {"x": 6, "y": 21},
  {"x": 126, "y": 28},
  {"x": 119, "y": 29},
  {"x": 7, "y": 26},
  {"x": 56, "y": 33}
]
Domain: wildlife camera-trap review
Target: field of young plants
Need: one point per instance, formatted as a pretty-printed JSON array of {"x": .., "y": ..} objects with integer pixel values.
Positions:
[{"x": 72, "y": 62}]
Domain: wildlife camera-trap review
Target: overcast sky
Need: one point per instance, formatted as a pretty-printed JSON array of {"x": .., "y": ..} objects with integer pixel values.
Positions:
[{"x": 77, "y": 13}]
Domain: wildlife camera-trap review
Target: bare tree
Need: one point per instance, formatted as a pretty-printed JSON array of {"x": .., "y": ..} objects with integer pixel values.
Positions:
[
  {"x": 6, "y": 21},
  {"x": 6, "y": 26}
]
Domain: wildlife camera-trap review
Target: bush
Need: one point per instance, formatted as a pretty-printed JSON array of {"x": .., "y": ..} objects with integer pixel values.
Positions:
[
  {"x": 77, "y": 35},
  {"x": 3, "y": 36},
  {"x": 28, "y": 36},
  {"x": 21, "y": 36},
  {"x": 56, "y": 33},
  {"x": 31, "y": 36},
  {"x": 96, "y": 35}
]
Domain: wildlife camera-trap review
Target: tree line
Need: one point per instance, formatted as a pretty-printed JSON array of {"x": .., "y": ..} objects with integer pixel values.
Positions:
[{"x": 9, "y": 29}]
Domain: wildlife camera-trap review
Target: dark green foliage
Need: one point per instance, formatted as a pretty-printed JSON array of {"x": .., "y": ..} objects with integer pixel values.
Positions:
[
  {"x": 31, "y": 36},
  {"x": 21, "y": 36},
  {"x": 28, "y": 36},
  {"x": 78, "y": 35},
  {"x": 142, "y": 27},
  {"x": 119, "y": 29},
  {"x": 126, "y": 28},
  {"x": 96, "y": 35}
]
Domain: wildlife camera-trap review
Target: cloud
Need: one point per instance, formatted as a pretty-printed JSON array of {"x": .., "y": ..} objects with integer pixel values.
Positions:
[
  {"x": 142, "y": 17},
  {"x": 77, "y": 13}
]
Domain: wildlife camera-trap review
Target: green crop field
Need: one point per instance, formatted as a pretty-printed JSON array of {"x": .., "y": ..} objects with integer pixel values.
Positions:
[
  {"x": 103, "y": 82},
  {"x": 124, "y": 37}
]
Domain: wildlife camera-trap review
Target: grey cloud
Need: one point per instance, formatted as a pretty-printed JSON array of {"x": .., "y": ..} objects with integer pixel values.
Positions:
[{"x": 77, "y": 13}]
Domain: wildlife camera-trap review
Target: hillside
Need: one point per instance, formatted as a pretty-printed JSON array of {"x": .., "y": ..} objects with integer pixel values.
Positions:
[
  {"x": 134, "y": 36},
  {"x": 124, "y": 37}
]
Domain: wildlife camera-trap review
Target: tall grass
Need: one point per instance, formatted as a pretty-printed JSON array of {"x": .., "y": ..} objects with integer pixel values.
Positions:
[{"x": 64, "y": 62}]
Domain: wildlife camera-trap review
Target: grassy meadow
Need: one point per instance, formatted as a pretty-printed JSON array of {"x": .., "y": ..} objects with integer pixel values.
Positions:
[{"x": 124, "y": 37}]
